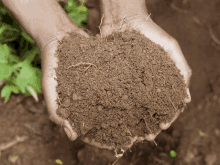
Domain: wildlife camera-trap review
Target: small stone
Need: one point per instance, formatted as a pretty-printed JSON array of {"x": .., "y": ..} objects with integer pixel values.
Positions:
[
  {"x": 113, "y": 124},
  {"x": 217, "y": 132},
  {"x": 99, "y": 108},
  {"x": 120, "y": 122},
  {"x": 108, "y": 93},
  {"x": 189, "y": 157},
  {"x": 103, "y": 125},
  {"x": 125, "y": 97},
  {"x": 120, "y": 91},
  {"x": 210, "y": 159},
  {"x": 75, "y": 97},
  {"x": 158, "y": 90},
  {"x": 215, "y": 97}
]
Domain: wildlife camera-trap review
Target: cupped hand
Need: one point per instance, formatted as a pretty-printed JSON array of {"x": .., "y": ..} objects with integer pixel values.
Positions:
[
  {"x": 49, "y": 63},
  {"x": 48, "y": 82},
  {"x": 145, "y": 25}
]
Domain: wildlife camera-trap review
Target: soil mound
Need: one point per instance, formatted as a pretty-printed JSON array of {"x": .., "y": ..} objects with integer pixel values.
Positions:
[{"x": 118, "y": 87}]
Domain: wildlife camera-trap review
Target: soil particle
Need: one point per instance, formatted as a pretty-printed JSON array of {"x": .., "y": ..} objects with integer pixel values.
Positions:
[{"x": 128, "y": 84}]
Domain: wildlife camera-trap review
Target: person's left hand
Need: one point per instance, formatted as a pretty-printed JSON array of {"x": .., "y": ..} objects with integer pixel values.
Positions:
[{"x": 49, "y": 62}]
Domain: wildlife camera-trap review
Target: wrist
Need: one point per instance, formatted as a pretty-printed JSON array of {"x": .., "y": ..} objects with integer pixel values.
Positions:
[
  {"x": 115, "y": 10},
  {"x": 42, "y": 20}
]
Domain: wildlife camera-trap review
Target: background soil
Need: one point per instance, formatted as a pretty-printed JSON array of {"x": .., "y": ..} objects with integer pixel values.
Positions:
[{"x": 47, "y": 142}]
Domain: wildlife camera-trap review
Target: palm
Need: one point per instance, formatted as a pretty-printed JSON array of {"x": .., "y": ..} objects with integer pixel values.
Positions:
[
  {"x": 49, "y": 63},
  {"x": 49, "y": 83},
  {"x": 152, "y": 31}
]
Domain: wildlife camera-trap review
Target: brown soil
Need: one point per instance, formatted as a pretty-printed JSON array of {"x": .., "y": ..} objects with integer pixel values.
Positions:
[{"x": 118, "y": 87}]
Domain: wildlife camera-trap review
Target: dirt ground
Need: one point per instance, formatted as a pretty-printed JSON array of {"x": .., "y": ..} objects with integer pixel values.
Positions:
[{"x": 194, "y": 136}]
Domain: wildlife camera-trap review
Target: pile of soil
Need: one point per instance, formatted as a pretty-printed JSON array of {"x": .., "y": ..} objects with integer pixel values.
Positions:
[{"x": 118, "y": 87}]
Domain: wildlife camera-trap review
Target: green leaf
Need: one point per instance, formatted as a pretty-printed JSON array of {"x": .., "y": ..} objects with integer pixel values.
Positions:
[
  {"x": 4, "y": 52},
  {"x": 27, "y": 37},
  {"x": 22, "y": 78},
  {"x": 21, "y": 84},
  {"x": 14, "y": 158},
  {"x": 3, "y": 10},
  {"x": 30, "y": 55},
  {"x": 7, "y": 33},
  {"x": 15, "y": 89},
  {"x": 173, "y": 153},
  {"x": 13, "y": 58},
  {"x": 17, "y": 66},
  {"x": 35, "y": 79},
  {"x": 59, "y": 161},
  {"x": 5, "y": 71},
  {"x": 6, "y": 55},
  {"x": 82, "y": 1},
  {"x": 201, "y": 133},
  {"x": 6, "y": 92},
  {"x": 72, "y": 5},
  {"x": 82, "y": 9}
]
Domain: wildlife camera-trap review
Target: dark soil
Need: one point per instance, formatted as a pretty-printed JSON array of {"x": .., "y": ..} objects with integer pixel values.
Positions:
[{"x": 115, "y": 88}]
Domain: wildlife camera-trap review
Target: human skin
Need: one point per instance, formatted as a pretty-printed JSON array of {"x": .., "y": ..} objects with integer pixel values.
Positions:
[
  {"x": 47, "y": 23},
  {"x": 119, "y": 15}
]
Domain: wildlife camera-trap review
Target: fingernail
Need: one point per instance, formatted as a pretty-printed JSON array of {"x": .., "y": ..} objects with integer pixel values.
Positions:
[
  {"x": 188, "y": 100},
  {"x": 68, "y": 133}
]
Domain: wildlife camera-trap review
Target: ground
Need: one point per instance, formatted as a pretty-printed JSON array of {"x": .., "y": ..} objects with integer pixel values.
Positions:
[{"x": 194, "y": 136}]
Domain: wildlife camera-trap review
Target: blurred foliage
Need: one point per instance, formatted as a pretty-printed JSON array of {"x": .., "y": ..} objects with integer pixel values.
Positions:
[{"x": 19, "y": 53}]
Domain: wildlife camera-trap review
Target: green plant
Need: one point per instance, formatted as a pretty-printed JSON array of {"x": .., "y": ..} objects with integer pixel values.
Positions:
[
  {"x": 78, "y": 14},
  {"x": 58, "y": 161},
  {"x": 18, "y": 65},
  {"x": 173, "y": 153}
]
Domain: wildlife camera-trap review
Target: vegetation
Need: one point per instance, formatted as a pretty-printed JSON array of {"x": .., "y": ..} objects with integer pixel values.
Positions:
[{"x": 19, "y": 54}]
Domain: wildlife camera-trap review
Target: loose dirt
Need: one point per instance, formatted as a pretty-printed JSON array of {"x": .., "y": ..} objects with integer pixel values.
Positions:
[{"x": 115, "y": 88}]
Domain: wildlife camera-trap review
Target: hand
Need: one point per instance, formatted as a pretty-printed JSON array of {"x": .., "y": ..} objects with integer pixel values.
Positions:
[
  {"x": 145, "y": 25},
  {"x": 49, "y": 62}
]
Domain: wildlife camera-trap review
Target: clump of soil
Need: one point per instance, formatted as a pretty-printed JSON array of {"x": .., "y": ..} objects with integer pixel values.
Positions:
[{"x": 117, "y": 87}]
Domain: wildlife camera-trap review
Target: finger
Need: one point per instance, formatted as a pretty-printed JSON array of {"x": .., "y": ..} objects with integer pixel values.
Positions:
[
  {"x": 165, "y": 126},
  {"x": 96, "y": 144},
  {"x": 188, "y": 100},
  {"x": 69, "y": 131},
  {"x": 81, "y": 32},
  {"x": 177, "y": 56}
]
